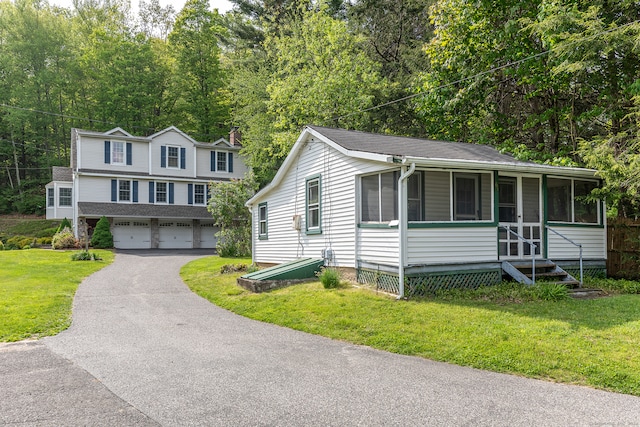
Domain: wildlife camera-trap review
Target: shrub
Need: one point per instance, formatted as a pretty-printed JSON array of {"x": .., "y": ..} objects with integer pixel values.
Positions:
[
  {"x": 102, "y": 237},
  {"x": 85, "y": 256},
  {"x": 551, "y": 291},
  {"x": 618, "y": 285},
  {"x": 18, "y": 242},
  {"x": 1, "y": 246},
  {"x": 252, "y": 268},
  {"x": 329, "y": 277},
  {"x": 43, "y": 241},
  {"x": 64, "y": 240},
  {"x": 233, "y": 268},
  {"x": 64, "y": 224},
  {"x": 47, "y": 232},
  {"x": 234, "y": 242}
]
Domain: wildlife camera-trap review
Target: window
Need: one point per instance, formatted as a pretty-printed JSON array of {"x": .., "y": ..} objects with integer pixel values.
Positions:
[
  {"x": 379, "y": 197},
  {"x": 466, "y": 206},
  {"x": 161, "y": 192},
  {"x": 561, "y": 193},
  {"x": 51, "y": 199},
  {"x": 221, "y": 164},
  {"x": 262, "y": 221},
  {"x": 124, "y": 191},
  {"x": 414, "y": 197},
  {"x": 173, "y": 156},
  {"x": 117, "y": 153},
  {"x": 64, "y": 197},
  {"x": 198, "y": 194},
  {"x": 313, "y": 205}
]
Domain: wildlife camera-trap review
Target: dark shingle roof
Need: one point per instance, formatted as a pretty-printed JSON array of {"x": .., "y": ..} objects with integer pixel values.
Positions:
[
  {"x": 61, "y": 173},
  {"x": 142, "y": 210},
  {"x": 401, "y": 146}
]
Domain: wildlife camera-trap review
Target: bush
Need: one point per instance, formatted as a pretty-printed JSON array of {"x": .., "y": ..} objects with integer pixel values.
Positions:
[
  {"x": 618, "y": 285},
  {"x": 329, "y": 277},
  {"x": 233, "y": 268},
  {"x": 41, "y": 241},
  {"x": 47, "y": 232},
  {"x": 64, "y": 224},
  {"x": 551, "y": 291},
  {"x": 85, "y": 256},
  {"x": 1, "y": 246},
  {"x": 64, "y": 240},
  {"x": 102, "y": 237},
  {"x": 19, "y": 242},
  {"x": 234, "y": 242}
]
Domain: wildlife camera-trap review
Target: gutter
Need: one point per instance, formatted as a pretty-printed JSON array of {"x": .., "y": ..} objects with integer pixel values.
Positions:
[{"x": 402, "y": 226}]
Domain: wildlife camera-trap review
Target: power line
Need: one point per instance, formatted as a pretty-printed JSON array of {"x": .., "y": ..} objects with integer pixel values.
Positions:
[{"x": 480, "y": 74}]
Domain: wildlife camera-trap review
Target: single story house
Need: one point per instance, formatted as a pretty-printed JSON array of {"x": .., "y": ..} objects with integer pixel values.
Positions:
[
  {"x": 153, "y": 189},
  {"x": 412, "y": 215}
]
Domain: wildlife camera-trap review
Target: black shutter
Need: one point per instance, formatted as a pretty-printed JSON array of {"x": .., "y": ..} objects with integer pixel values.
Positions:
[
  {"x": 183, "y": 158},
  {"x": 230, "y": 168},
  {"x": 152, "y": 192},
  {"x": 129, "y": 157},
  {"x": 114, "y": 190},
  {"x": 190, "y": 193},
  {"x": 163, "y": 157},
  {"x": 107, "y": 152}
]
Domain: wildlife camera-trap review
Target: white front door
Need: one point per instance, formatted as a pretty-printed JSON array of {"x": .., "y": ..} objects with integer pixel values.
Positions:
[{"x": 519, "y": 208}]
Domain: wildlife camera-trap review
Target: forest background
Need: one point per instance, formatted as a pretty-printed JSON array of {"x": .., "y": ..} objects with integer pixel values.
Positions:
[{"x": 555, "y": 81}]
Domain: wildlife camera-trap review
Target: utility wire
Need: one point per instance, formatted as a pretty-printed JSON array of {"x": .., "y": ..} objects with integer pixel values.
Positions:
[{"x": 480, "y": 74}]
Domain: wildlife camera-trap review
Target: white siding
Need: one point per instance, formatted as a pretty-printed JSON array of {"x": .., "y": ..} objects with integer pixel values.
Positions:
[
  {"x": 94, "y": 189},
  {"x": 175, "y": 139},
  {"x": 592, "y": 239},
  {"x": 338, "y": 209},
  {"x": 378, "y": 245},
  {"x": 451, "y": 244},
  {"x": 91, "y": 154},
  {"x": 203, "y": 164}
]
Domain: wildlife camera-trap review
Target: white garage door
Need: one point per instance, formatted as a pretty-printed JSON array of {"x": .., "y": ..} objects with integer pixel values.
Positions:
[
  {"x": 176, "y": 234},
  {"x": 208, "y": 235},
  {"x": 131, "y": 234}
]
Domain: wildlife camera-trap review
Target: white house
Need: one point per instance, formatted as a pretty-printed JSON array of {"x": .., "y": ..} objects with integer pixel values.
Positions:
[
  {"x": 417, "y": 214},
  {"x": 152, "y": 189}
]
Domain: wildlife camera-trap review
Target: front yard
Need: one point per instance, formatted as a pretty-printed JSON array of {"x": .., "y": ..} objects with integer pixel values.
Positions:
[
  {"x": 37, "y": 288},
  {"x": 588, "y": 342}
]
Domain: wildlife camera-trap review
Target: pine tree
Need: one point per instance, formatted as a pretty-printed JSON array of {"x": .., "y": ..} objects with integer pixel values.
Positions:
[{"x": 102, "y": 237}]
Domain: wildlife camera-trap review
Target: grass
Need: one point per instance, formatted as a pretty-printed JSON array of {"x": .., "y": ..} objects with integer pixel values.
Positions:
[
  {"x": 29, "y": 226},
  {"x": 36, "y": 291},
  {"x": 587, "y": 342}
]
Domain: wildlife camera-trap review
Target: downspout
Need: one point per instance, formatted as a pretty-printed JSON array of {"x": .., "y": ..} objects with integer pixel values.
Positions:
[
  {"x": 402, "y": 227},
  {"x": 253, "y": 256}
]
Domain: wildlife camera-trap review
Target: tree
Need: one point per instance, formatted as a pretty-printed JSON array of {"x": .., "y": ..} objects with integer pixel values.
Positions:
[
  {"x": 195, "y": 39},
  {"x": 102, "y": 237},
  {"x": 226, "y": 205}
]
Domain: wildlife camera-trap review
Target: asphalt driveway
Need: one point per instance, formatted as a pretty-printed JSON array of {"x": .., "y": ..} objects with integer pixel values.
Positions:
[{"x": 160, "y": 354}]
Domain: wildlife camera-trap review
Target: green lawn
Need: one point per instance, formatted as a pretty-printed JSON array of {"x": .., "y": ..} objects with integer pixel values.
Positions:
[
  {"x": 37, "y": 288},
  {"x": 588, "y": 342}
]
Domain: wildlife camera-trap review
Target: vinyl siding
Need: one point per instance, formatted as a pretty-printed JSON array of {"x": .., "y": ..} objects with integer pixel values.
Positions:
[
  {"x": 453, "y": 244},
  {"x": 203, "y": 164},
  {"x": 94, "y": 189},
  {"x": 338, "y": 210},
  {"x": 175, "y": 139},
  {"x": 91, "y": 154},
  {"x": 378, "y": 245},
  {"x": 592, "y": 239}
]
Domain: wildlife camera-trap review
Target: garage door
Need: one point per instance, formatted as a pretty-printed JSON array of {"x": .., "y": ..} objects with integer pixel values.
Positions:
[
  {"x": 175, "y": 234},
  {"x": 208, "y": 235},
  {"x": 131, "y": 234}
]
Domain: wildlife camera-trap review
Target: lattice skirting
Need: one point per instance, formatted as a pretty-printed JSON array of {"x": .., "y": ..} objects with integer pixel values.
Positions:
[
  {"x": 429, "y": 283},
  {"x": 594, "y": 272}
]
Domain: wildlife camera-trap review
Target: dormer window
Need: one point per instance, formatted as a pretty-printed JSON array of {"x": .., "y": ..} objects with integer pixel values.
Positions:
[
  {"x": 173, "y": 156},
  {"x": 118, "y": 153},
  {"x": 221, "y": 161}
]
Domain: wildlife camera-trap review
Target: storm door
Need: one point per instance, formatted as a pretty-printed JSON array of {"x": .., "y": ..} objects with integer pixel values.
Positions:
[{"x": 519, "y": 207}]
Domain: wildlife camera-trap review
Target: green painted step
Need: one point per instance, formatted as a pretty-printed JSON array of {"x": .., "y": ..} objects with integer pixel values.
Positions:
[{"x": 302, "y": 268}]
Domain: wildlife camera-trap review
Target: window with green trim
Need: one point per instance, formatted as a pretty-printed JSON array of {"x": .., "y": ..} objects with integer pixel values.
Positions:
[
  {"x": 262, "y": 221},
  {"x": 568, "y": 200},
  {"x": 313, "y": 207}
]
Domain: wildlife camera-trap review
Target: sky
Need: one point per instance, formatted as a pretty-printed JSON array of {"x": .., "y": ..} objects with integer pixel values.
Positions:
[{"x": 221, "y": 5}]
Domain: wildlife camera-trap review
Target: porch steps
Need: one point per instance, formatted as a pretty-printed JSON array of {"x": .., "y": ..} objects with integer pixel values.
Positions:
[{"x": 546, "y": 270}]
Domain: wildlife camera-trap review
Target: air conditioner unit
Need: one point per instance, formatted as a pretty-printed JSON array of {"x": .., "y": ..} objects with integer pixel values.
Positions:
[{"x": 296, "y": 223}]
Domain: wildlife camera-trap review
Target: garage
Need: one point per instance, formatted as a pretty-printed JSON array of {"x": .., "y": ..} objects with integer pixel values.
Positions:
[
  {"x": 176, "y": 234},
  {"x": 131, "y": 234},
  {"x": 208, "y": 235}
]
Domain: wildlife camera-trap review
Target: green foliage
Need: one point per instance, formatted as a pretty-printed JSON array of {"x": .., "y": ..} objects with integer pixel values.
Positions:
[
  {"x": 234, "y": 242},
  {"x": 622, "y": 286},
  {"x": 1, "y": 246},
  {"x": 85, "y": 256},
  {"x": 551, "y": 291},
  {"x": 102, "y": 237},
  {"x": 64, "y": 224},
  {"x": 64, "y": 240},
  {"x": 233, "y": 268},
  {"x": 330, "y": 278},
  {"x": 20, "y": 242}
]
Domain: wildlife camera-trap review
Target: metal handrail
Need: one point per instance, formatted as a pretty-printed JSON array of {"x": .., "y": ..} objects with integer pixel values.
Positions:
[
  {"x": 579, "y": 245},
  {"x": 532, "y": 246}
]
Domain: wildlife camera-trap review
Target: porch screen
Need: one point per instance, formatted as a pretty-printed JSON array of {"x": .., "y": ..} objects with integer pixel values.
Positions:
[
  {"x": 379, "y": 197},
  {"x": 568, "y": 201}
]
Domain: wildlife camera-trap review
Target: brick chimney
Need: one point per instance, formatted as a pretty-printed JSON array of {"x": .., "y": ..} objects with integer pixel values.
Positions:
[{"x": 235, "y": 137}]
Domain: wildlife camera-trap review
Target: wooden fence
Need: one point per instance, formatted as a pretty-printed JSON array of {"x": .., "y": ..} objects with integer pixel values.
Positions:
[{"x": 623, "y": 249}]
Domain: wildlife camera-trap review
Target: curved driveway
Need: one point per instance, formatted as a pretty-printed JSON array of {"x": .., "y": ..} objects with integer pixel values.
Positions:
[{"x": 180, "y": 360}]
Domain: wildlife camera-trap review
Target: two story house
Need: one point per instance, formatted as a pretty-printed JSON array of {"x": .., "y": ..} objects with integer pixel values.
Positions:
[{"x": 153, "y": 190}]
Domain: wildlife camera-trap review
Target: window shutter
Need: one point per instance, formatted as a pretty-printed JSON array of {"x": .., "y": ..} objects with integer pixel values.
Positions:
[
  {"x": 129, "y": 157},
  {"x": 152, "y": 192},
  {"x": 163, "y": 156},
  {"x": 135, "y": 191},
  {"x": 171, "y": 193},
  {"x": 114, "y": 190},
  {"x": 206, "y": 194},
  {"x": 107, "y": 152},
  {"x": 230, "y": 166},
  {"x": 213, "y": 161},
  {"x": 183, "y": 158},
  {"x": 190, "y": 193}
]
